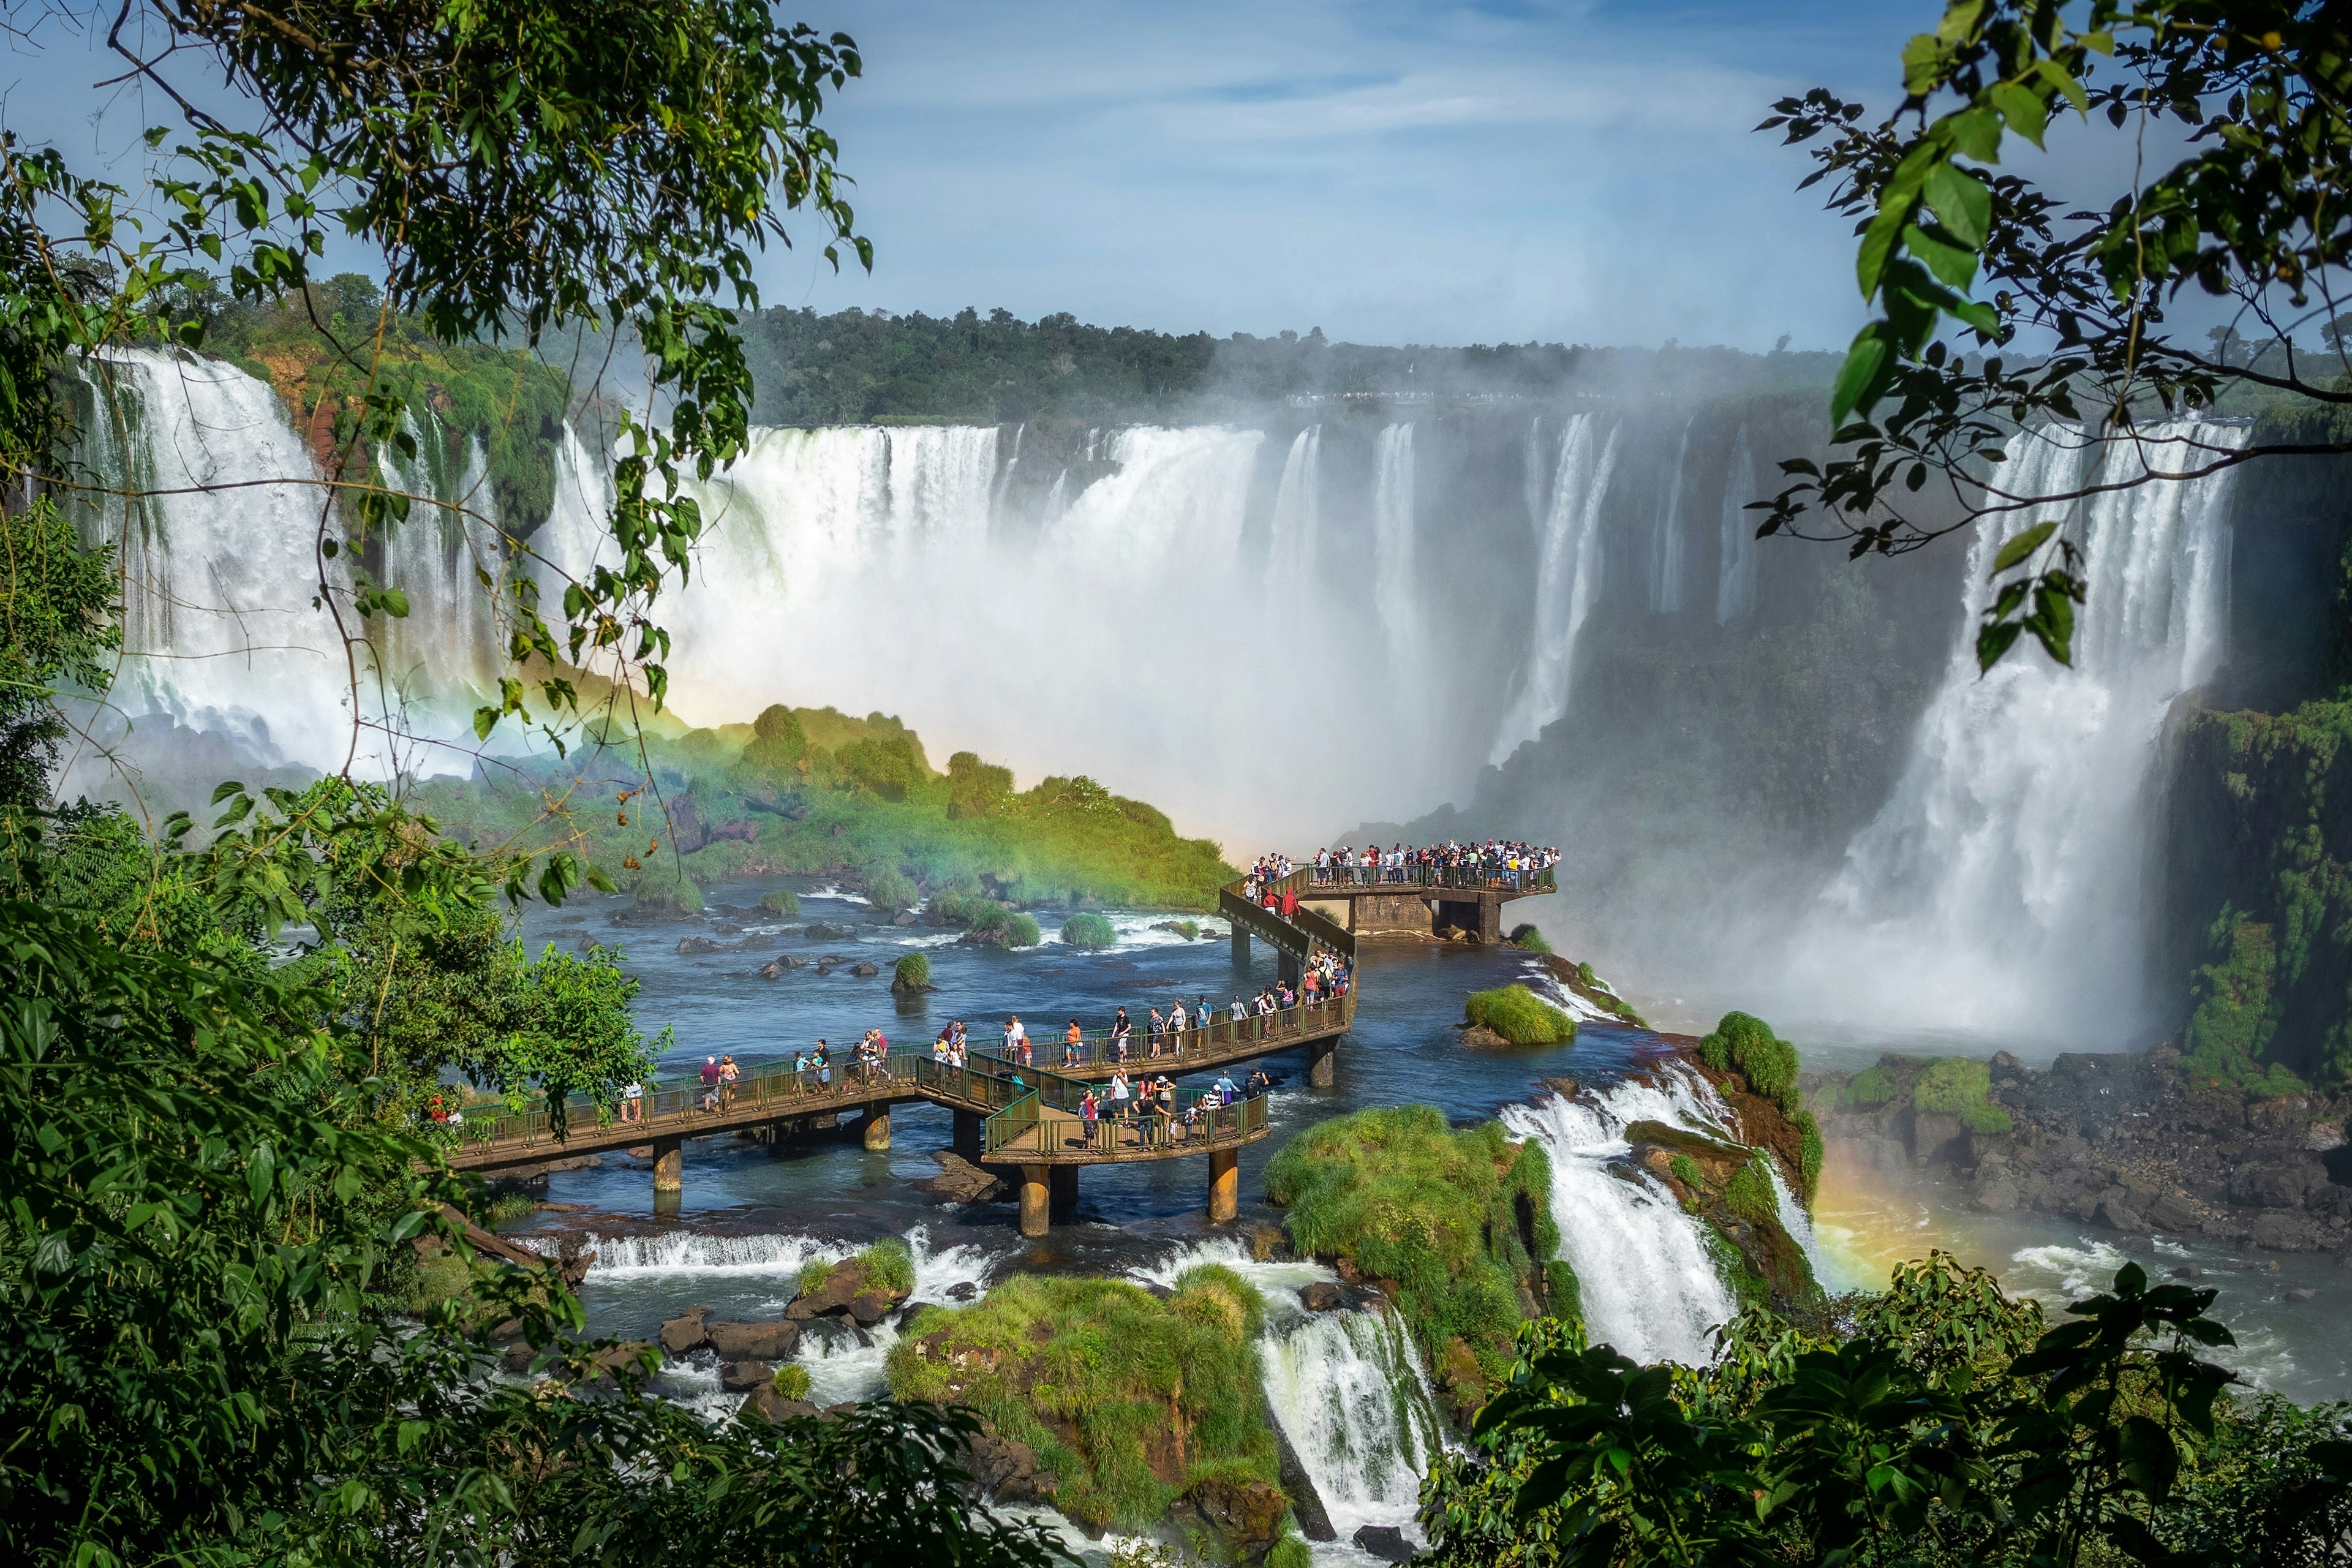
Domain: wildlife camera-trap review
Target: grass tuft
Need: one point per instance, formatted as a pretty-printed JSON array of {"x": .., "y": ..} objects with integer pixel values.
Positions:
[
  {"x": 1088, "y": 930},
  {"x": 1520, "y": 1016}
]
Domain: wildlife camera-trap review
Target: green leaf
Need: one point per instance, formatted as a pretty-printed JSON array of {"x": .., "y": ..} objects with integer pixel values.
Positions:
[
  {"x": 2150, "y": 1459},
  {"x": 1994, "y": 640},
  {"x": 1962, "y": 202},
  {"x": 227, "y": 790},
  {"x": 2022, "y": 545},
  {"x": 2022, "y": 108},
  {"x": 1866, "y": 365},
  {"x": 1954, "y": 264}
]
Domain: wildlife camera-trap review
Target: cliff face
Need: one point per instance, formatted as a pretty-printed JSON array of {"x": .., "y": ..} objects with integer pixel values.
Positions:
[{"x": 2126, "y": 1142}]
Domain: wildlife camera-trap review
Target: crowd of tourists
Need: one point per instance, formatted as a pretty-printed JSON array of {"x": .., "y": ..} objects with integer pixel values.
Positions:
[
  {"x": 1152, "y": 1099},
  {"x": 1497, "y": 863}
]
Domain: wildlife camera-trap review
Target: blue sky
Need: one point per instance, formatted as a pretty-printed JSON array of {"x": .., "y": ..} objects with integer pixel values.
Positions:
[{"x": 1389, "y": 172}]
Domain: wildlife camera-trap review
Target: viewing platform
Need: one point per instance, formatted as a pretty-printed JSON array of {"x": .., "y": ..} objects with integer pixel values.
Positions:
[{"x": 1021, "y": 1115}]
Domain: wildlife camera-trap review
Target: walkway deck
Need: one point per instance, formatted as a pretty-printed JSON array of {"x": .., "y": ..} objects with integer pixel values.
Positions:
[{"x": 1031, "y": 1108}]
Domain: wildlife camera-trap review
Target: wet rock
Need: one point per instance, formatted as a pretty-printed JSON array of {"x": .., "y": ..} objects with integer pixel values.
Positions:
[
  {"x": 1996, "y": 1197},
  {"x": 743, "y": 1376},
  {"x": 1322, "y": 1296},
  {"x": 1479, "y": 1038},
  {"x": 517, "y": 1357},
  {"x": 1385, "y": 1542},
  {"x": 2117, "y": 1214},
  {"x": 820, "y": 932},
  {"x": 2275, "y": 1184},
  {"x": 1246, "y": 1516},
  {"x": 776, "y": 967},
  {"x": 695, "y": 944},
  {"x": 903, "y": 917},
  {"x": 1006, "y": 1471},
  {"x": 964, "y": 1289},
  {"x": 2189, "y": 1272},
  {"x": 834, "y": 1296},
  {"x": 2302, "y": 1293},
  {"x": 752, "y": 1342},
  {"x": 864, "y": 970},
  {"x": 769, "y": 1406},
  {"x": 868, "y": 1308},
  {"x": 685, "y": 1332},
  {"x": 962, "y": 1181}
]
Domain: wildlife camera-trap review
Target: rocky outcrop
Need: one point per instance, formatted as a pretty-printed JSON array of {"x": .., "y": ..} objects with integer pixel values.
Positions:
[
  {"x": 766, "y": 1404},
  {"x": 770, "y": 1341},
  {"x": 845, "y": 1293},
  {"x": 2120, "y": 1142},
  {"x": 1246, "y": 1516},
  {"x": 1385, "y": 1542},
  {"x": 685, "y": 1333},
  {"x": 743, "y": 1376},
  {"x": 1005, "y": 1471},
  {"x": 962, "y": 1181},
  {"x": 864, "y": 970},
  {"x": 774, "y": 968},
  {"x": 1321, "y": 1295}
]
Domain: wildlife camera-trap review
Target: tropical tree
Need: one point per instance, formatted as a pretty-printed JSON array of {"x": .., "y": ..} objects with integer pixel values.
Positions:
[{"x": 1999, "y": 306}]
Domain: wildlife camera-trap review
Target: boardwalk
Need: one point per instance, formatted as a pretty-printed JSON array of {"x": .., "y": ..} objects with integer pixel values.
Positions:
[{"x": 1024, "y": 1114}]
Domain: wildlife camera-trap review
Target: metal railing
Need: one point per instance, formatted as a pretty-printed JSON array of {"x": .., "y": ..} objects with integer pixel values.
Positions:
[{"x": 1199, "y": 1121}]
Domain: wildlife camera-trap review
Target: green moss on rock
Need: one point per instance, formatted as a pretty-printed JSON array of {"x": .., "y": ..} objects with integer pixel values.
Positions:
[
  {"x": 1520, "y": 1017},
  {"x": 1088, "y": 930}
]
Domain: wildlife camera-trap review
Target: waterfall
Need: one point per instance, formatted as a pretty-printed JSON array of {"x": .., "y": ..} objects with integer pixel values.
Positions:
[
  {"x": 1649, "y": 1279},
  {"x": 219, "y": 564},
  {"x": 1297, "y": 518},
  {"x": 449, "y": 642},
  {"x": 1350, "y": 1392},
  {"x": 2000, "y": 885},
  {"x": 1565, "y": 588},
  {"x": 1667, "y": 541},
  {"x": 1532, "y": 476},
  {"x": 1347, "y": 1387},
  {"x": 1735, "y": 589},
  {"x": 1394, "y": 557}
]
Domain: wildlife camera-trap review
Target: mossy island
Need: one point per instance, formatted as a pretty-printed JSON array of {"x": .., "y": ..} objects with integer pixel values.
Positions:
[{"x": 1513, "y": 1016}]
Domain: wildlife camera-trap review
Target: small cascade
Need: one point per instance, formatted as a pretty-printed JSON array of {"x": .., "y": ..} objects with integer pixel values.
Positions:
[
  {"x": 1667, "y": 539},
  {"x": 1734, "y": 588},
  {"x": 1347, "y": 1387},
  {"x": 2000, "y": 888},
  {"x": 1533, "y": 477},
  {"x": 448, "y": 643},
  {"x": 1297, "y": 518},
  {"x": 1566, "y": 579},
  {"x": 683, "y": 1252},
  {"x": 1828, "y": 1272},
  {"x": 1649, "y": 1279}
]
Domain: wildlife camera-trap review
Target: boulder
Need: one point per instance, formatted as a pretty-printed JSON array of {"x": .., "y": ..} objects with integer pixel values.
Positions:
[
  {"x": 963, "y": 1290},
  {"x": 868, "y": 1308},
  {"x": 685, "y": 1332},
  {"x": 694, "y": 944},
  {"x": 1006, "y": 1471},
  {"x": 903, "y": 917},
  {"x": 2117, "y": 1214},
  {"x": 776, "y": 967},
  {"x": 960, "y": 1180},
  {"x": 820, "y": 932},
  {"x": 1246, "y": 1516},
  {"x": 1479, "y": 1038},
  {"x": 1385, "y": 1542},
  {"x": 753, "y": 1342},
  {"x": 1996, "y": 1197},
  {"x": 2172, "y": 1213},
  {"x": 769, "y": 1406},
  {"x": 1321, "y": 1295},
  {"x": 834, "y": 1296},
  {"x": 743, "y": 1376},
  {"x": 864, "y": 970}
]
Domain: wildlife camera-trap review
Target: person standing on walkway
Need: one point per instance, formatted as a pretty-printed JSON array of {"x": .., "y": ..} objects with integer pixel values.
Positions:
[
  {"x": 1016, "y": 1038},
  {"x": 728, "y": 1076},
  {"x": 1121, "y": 1032},
  {"x": 633, "y": 1101},
  {"x": 710, "y": 1083},
  {"x": 1072, "y": 1038},
  {"x": 823, "y": 1067}
]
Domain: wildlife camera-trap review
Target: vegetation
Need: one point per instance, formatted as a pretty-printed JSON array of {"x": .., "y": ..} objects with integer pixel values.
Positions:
[
  {"x": 1957, "y": 1086},
  {"x": 1873, "y": 1086},
  {"x": 792, "y": 1380},
  {"x": 1088, "y": 930},
  {"x": 1107, "y": 1382},
  {"x": 1745, "y": 1044},
  {"x": 1685, "y": 1170},
  {"x": 783, "y": 903},
  {"x": 1520, "y": 1017},
  {"x": 912, "y": 973},
  {"x": 2244, "y": 202},
  {"x": 1938, "y": 1422},
  {"x": 1460, "y": 1220},
  {"x": 887, "y": 1266},
  {"x": 1527, "y": 936},
  {"x": 56, "y": 623},
  {"x": 702, "y": 806}
]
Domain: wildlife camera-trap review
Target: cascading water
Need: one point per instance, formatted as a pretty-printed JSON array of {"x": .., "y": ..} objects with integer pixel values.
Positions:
[
  {"x": 1565, "y": 580},
  {"x": 1297, "y": 518},
  {"x": 1649, "y": 1279},
  {"x": 1395, "y": 551},
  {"x": 448, "y": 642},
  {"x": 1999, "y": 887},
  {"x": 1347, "y": 1387},
  {"x": 1667, "y": 539},
  {"x": 1735, "y": 590}
]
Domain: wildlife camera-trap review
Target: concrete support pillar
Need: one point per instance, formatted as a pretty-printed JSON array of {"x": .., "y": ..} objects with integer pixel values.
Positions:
[
  {"x": 1062, "y": 1187},
  {"x": 876, "y": 1127},
  {"x": 1225, "y": 1185},
  {"x": 1035, "y": 1206},
  {"x": 669, "y": 1165},
  {"x": 1318, "y": 1061},
  {"x": 1241, "y": 946},
  {"x": 781, "y": 1137},
  {"x": 968, "y": 1136},
  {"x": 1490, "y": 918},
  {"x": 1289, "y": 966}
]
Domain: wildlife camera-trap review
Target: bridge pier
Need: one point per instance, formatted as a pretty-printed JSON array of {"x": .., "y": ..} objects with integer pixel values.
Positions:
[
  {"x": 1241, "y": 946},
  {"x": 1035, "y": 1206},
  {"x": 670, "y": 1184},
  {"x": 1318, "y": 1061},
  {"x": 968, "y": 1136},
  {"x": 875, "y": 1127},
  {"x": 1062, "y": 1190},
  {"x": 1289, "y": 966},
  {"x": 1225, "y": 1185}
]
